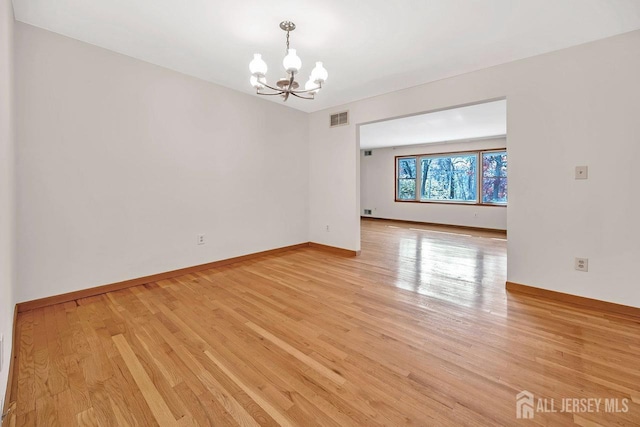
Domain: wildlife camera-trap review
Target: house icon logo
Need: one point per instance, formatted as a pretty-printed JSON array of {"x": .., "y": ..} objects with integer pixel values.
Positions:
[{"x": 524, "y": 405}]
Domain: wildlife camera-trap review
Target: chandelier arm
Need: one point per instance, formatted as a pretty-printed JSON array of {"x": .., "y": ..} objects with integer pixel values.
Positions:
[
  {"x": 273, "y": 88},
  {"x": 308, "y": 90},
  {"x": 269, "y": 94},
  {"x": 302, "y": 97},
  {"x": 305, "y": 91}
]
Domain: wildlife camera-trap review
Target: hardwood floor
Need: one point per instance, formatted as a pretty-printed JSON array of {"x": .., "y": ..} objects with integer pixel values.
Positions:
[{"x": 418, "y": 330}]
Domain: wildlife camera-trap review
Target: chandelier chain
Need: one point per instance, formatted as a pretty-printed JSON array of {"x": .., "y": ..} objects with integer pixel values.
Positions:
[{"x": 287, "y": 41}]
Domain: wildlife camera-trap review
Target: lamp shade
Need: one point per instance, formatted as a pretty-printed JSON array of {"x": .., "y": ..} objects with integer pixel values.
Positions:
[
  {"x": 319, "y": 74},
  {"x": 257, "y": 82},
  {"x": 257, "y": 66},
  {"x": 311, "y": 86},
  {"x": 292, "y": 62}
]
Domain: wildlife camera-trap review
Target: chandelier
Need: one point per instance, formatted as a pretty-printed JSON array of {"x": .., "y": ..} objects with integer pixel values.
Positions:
[{"x": 292, "y": 64}]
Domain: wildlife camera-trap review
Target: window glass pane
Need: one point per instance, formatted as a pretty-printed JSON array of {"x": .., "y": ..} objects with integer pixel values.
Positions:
[
  {"x": 494, "y": 182},
  {"x": 494, "y": 164},
  {"x": 407, "y": 189},
  {"x": 407, "y": 168},
  {"x": 449, "y": 178},
  {"x": 494, "y": 190}
]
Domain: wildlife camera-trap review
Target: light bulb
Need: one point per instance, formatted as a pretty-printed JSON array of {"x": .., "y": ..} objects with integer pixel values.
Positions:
[
  {"x": 292, "y": 62},
  {"x": 319, "y": 74},
  {"x": 257, "y": 82},
  {"x": 257, "y": 66},
  {"x": 311, "y": 86}
]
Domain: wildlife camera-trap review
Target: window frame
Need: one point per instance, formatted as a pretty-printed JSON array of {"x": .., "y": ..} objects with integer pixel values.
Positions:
[
  {"x": 397, "y": 183},
  {"x": 481, "y": 182},
  {"x": 479, "y": 177}
]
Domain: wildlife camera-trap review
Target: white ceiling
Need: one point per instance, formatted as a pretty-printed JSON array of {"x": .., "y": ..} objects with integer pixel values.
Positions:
[
  {"x": 464, "y": 123},
  {"x": 369, "y": 47}
]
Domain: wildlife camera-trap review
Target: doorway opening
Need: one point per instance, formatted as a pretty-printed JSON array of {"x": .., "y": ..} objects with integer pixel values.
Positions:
[{"x": 445, "y": 167}]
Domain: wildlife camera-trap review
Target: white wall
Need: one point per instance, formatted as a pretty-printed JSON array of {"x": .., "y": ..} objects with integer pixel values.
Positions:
[
  {"x": 576, "y": 106},
  {"x": 334, "y": 184},
  {"x": 7, "y": 187},
  {"x": 377, "y": 189},
  {"x": 122, "y": 163}
]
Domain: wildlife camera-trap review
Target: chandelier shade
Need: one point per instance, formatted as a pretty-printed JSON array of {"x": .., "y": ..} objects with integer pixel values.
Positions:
[
  {"x": 292, "y": 64},
  {"x": 319, "y": 74},
  {"x": 257, "y": 82},
  {"x": 258, "y": 67}
]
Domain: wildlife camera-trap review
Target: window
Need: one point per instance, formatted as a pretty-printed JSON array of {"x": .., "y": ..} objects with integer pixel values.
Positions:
[
  {"x": 407, "y": 179},
  {"x": 449, "y": 178},
  {"x": 494, "y": 177},
  {"x": 453, "y": 178}
]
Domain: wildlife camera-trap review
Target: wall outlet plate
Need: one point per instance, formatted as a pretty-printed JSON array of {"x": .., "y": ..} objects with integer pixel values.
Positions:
[
  {"x": 582, "y": 172},
  {"x": 200, "y": 239},
  {"x": 582, "y": 264}
]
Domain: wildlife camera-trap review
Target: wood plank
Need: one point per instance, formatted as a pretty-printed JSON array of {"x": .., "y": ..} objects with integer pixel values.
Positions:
[
  {"x": 158, "y": 406},
  {"x": 323, "y": 370},
  {"x": 264, "y": 404}
]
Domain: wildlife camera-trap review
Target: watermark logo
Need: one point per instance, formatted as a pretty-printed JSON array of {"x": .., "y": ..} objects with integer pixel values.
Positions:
[
  {"x": 527, "y": 405},
  {"x": 524, "y": 405}
]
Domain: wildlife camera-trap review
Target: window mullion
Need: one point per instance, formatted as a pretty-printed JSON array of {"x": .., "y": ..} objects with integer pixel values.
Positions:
[
  {"x": 418, "y": 178},
  {"x": 479, "y": 181}
]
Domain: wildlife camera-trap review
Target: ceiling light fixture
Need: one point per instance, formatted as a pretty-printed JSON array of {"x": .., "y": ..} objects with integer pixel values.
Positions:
[{"x": 292, "y": 64}]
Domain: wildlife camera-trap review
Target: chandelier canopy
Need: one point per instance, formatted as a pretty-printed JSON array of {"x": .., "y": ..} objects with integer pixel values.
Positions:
[{"x": 292, "y": 64}]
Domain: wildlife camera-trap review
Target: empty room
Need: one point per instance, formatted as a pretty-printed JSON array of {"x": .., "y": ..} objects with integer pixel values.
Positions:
[{"x": 340, "y": 213}]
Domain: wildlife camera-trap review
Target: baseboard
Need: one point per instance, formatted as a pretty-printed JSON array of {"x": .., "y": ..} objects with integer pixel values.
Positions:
[
  {"x": 461, "y": 227},
  {"x": 574, "y": 299},
  {"x": 334, "y": 250},
  {"x": 85, "y": 293},
  {"x": 8, "y": 395}
]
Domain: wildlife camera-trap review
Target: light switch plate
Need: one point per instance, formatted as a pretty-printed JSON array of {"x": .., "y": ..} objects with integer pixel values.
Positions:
[{"x": 582, "y": 172}]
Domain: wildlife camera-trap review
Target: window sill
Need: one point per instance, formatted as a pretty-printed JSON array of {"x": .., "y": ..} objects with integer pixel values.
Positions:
[{"x": 445, "y": 202}]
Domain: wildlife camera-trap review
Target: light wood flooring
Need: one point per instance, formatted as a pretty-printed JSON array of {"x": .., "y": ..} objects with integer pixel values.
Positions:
[{"x": 418, "y": 330}]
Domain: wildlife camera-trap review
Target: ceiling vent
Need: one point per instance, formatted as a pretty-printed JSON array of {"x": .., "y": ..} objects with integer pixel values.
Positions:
[
  {"x": 367, "y": 153},
  {"x": 339, "y": 119}
]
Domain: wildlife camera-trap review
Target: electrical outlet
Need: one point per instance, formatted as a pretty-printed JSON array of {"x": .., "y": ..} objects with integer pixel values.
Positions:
[
  {"x": 582, "y": 264},
  {"x": 582, "y": 172},
  {"x": 327, "y": 229},
  {"x": 201, "y": 239}
]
